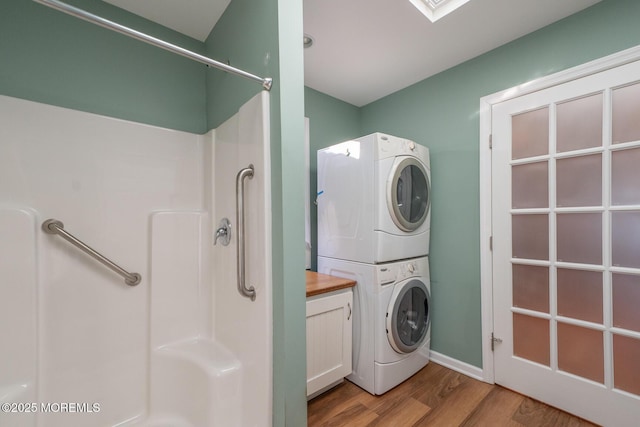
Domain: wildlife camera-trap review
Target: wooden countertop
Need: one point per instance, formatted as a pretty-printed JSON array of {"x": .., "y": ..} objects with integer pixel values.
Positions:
[{"x": 318, "y": 283}]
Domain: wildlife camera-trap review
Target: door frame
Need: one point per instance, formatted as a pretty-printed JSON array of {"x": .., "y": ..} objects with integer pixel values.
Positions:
[{"x": 486, "y": 105}]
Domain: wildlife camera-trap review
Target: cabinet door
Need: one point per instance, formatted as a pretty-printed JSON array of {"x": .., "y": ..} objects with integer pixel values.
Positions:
[{"x": 328, "y": 340}]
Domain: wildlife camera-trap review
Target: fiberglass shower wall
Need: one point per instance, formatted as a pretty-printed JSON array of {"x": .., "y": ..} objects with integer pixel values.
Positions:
[{"x": 73, "y": 335}]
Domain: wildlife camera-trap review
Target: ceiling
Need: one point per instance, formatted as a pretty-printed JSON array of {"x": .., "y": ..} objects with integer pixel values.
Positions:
[
  {"x": 195, "y": 18},
  {"x": 364, "y": 50}
]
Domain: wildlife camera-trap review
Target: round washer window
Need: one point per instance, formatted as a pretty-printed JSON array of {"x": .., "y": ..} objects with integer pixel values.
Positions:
[
  {"x": 409, "y": 194},
  {"x": 408, "y": 317}
]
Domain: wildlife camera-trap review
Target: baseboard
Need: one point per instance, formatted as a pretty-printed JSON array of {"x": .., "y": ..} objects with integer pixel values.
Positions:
[
  {"x": 325, "y": 389},
  {"x": 456, "y": 365}
]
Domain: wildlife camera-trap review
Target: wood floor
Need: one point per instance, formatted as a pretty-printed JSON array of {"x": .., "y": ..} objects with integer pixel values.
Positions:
[{"x": 435, "y": 396}]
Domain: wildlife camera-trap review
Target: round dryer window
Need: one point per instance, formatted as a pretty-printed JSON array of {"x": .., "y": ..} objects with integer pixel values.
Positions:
[
  {"x": 408, "y": 316},
  {"x": 408, "y": 194}
]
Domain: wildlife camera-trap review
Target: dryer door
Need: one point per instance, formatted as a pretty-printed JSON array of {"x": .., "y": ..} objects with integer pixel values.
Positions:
[
  {"x": 408, "y": 316},
  {"x": 408, "y": 193}
]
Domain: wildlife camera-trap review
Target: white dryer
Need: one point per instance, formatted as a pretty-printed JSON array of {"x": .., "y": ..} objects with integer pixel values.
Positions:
[
  {"x": 391, "y": 319},
  {"x": 374, "y": 199}
]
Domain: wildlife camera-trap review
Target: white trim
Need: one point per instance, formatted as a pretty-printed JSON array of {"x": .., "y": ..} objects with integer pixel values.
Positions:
[
  {"x": 456, "y": 365},
  {"x": 486, "y": 260},
  {"x": 486, "y": 265},
  {"x": 574, "y": 73},
  {"x": 624, "y": 145},
  {"x": 626, "y": 333},
  {"x": 435, "y": 10},
  {"x": 307, "y": 195}
]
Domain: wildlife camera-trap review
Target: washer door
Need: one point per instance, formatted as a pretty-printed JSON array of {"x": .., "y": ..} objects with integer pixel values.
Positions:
[
  {"x": 408, "y": 193},
  {"x": 408, "y": 316}
]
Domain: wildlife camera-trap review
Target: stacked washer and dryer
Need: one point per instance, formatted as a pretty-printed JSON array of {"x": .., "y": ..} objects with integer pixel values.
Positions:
[{"x": 373, "y": 227}]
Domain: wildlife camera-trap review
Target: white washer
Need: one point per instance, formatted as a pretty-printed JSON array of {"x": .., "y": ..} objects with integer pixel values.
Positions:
[
  {"x": 374, "y": 199},
  {"x": 391, "y": 319}
]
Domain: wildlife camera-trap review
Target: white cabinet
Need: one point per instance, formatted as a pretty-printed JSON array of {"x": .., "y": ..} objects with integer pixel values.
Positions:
[{"x": 329, "y": 319}]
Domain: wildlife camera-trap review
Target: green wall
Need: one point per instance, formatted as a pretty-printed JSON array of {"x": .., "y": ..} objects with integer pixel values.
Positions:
[
  {"x": 245, "y": 37},
  {"x": 442, "y": 113},
  {"x": 265, "y": 38},
  {"x": 289, "y": 217},
  {"x": 330, "y": 121},
  {"x": 50, "y": 57}
]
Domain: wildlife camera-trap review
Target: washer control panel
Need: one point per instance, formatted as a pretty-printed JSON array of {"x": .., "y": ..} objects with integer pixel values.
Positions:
[
  {"x": 395, "y": 272},
  {"x": 386, "y": 275}
]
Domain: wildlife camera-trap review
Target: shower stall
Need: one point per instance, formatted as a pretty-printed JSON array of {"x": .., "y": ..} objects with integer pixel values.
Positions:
[{"x": 117, "y": 305}]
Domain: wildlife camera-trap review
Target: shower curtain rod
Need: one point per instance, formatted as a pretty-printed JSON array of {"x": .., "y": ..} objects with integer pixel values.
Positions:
[{"x": 82, "y": 14}]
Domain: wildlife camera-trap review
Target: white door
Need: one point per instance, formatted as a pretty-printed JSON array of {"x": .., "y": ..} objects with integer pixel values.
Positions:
[{"x": 566, "y": 245}]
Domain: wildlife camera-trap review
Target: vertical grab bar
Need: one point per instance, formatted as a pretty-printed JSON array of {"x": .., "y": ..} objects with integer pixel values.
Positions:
[{"x": 240, "y": 250}]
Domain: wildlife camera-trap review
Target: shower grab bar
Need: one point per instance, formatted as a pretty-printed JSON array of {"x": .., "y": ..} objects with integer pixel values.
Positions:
[
  {"x": 95, "y": 19},
  {"x": 240, "y": 250},
  {"x": 53, "y": 226}
]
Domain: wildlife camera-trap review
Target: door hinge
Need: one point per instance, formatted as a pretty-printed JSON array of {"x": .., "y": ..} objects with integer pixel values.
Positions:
[
  {"x": 490, "y": 141},
  {"x": 494, "y": 340},
  {"x": 490, "y": 243}
]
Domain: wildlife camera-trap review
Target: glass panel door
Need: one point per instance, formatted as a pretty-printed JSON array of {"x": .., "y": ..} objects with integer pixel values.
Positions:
[{"x": 566, "y": 245}]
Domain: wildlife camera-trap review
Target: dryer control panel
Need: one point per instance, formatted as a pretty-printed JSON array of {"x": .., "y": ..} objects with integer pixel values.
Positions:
[{"x": 393, "y": 146}]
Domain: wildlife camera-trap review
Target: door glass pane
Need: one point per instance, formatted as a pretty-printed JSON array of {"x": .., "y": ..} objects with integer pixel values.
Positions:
[
  {"x": 579, "y": 181},
  {"x": 625, "y": 176},
  {"x": 530, "y": 236},
  {"x": 531, "y": 338},
  {"x": 412, "y": 195},
  {"x": 625, "y": 113},
  {"x": 580, "y": 294},
  {"x": 625, "y": 239},
  {"x": 626, "y": 302},
  {"x": 530, "y": 185},
  {"x": 579, "y": 123},
  {"x": 580, "y": 238},
  {"x": 531, "y": 287},
  {"x": 530, "y": 134},
  {"x": 626, "y": 354},
  {"x": 581, "y": 351}
]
